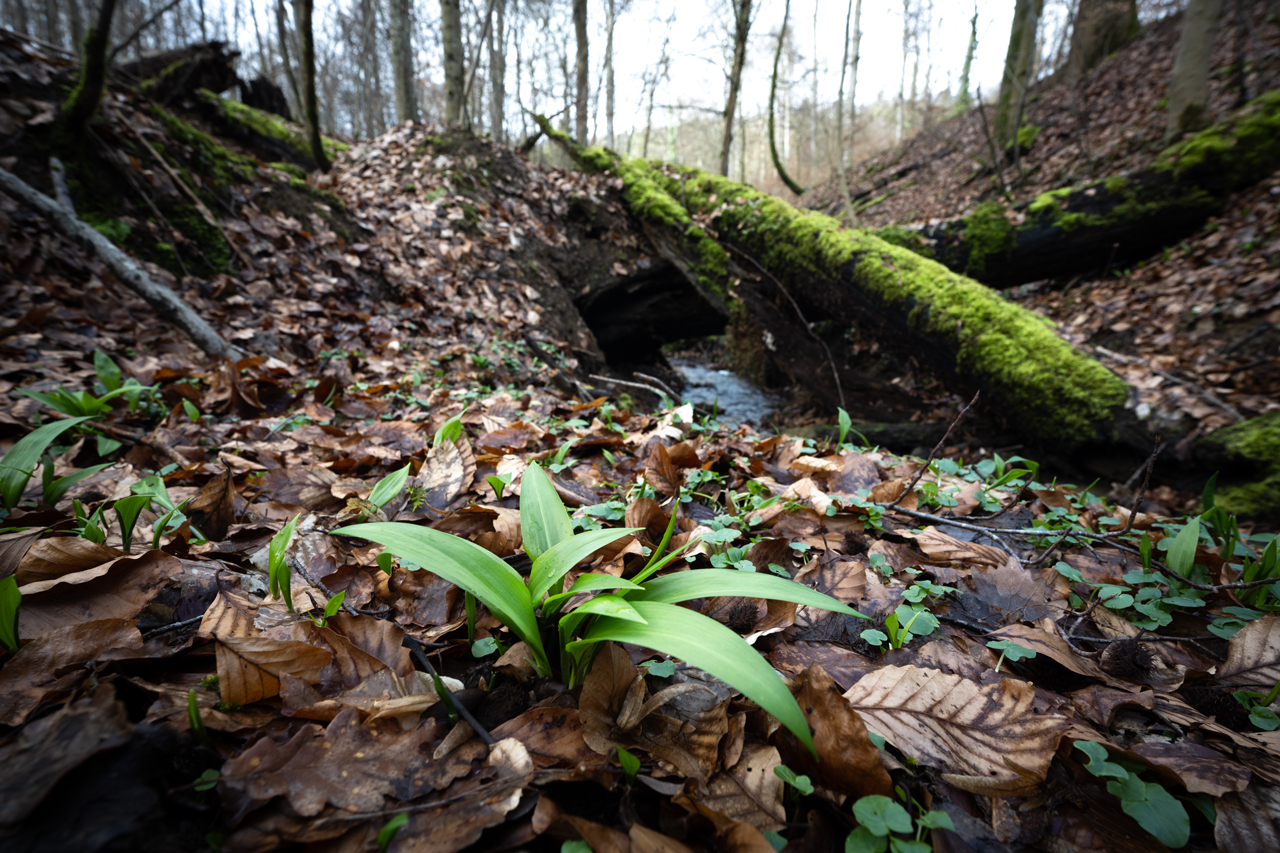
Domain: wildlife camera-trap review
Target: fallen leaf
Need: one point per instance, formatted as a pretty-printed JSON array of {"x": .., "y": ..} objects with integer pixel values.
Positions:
[{"x": 249, "y": 668}]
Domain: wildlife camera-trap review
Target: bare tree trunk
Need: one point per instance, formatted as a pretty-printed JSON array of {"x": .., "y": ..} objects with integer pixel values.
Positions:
[
  {"x": 813, "y": 100},
  {"x": 583, "y": 71},
  {"x": 964, "y": 100},
  {"x": 849, "y": 213},
  {"x": 1189, "y": 83},
  {"x": 18, "y": 14},
  {"x": 1242, "y": 56},
  {"x": 310, "y": 106},
  {"x": 451, "y": 33},
  {"x": 900, "y": 126},
  {"x": 402, "y": 60},
  {"x": 1102, "y": 27},
  {"x": 1018, "y": 62},
  {"x": 87, "y": 94},
  {"x": 498, "y": 71},
  {"x": 773, "y": 93},
  {"x": 282, "y": 32},
  {"x": 608, "y": 74},
  {"x": 741, "y": 27},
  {"x": 52, "y": 32}
]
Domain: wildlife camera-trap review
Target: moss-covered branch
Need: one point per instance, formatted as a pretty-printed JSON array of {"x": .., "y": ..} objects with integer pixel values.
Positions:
[
  {"x": 87, "y": 94},
  {"x": 1122, "y": 218},
  {"x": 1049, "y": 390}
]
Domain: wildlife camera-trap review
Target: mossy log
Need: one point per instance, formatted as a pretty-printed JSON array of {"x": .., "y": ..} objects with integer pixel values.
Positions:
[
  {"x": 1247, "y": 458},
  {"x": 1047, "y": 390},
  {"x": 1118, "y": 220},
  {"x": 267, "y": 135},
  {"x": 181, "y": 72}
]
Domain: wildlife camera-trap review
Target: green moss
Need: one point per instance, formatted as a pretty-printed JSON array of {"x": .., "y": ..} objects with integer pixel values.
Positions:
[
  {"x": 906, "y": 238},
  {"x": 1049, "y": 202},
  {"x": 270, "y": 125},
  {"x": 987, "y": 232},
  {"x": 1243, "y": 148},
  {"x": 293, "y": 170},
  {"x": 1117, "y": 184},
  {"x": 225, "y": 167},
  {"x": 113, "y": 229},
  {"x": 213, "y": 246},
  {"x": 1249, "y": 455},
  {"x": 1027, "y": 136}
]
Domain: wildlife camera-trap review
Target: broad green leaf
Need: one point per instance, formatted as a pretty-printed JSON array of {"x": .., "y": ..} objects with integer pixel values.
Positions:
[
  {"x": 801, "y": 783},
  {"x": 704, "y": 643},
  {"x": 388, "y": 487},
  {"x": 450, "y": 431},
  {"x": 1155, "y": 810},
  {"x": 466, "y": 564},
  {"x": 602, "y": 605},
  {"x": 936, "y": 820},
  {"x": 108, "y": 371},
  {"x": 555, "y": 562},
  {"x": 331, "y": 606},
  {"x": 587, "y": 583},
  {"x": 54, "y": 491},
  {"x": 1182, "y": 552},
  {"x": 845, "y": 423},
  {"x": 881, "y": 815},
  {"x": 389, "y": 830},
  {"x": 630, "y": 763},
  {"x": 1098, "y": 764},
  {"x": 154, "y": 488},
  {"x": 10, "y": 600},
  {"x": 19, "y": 464},
  {"x": 127, "y": 512},
  {"x": 863, "y": 840},
  {"x": 1011, "y": 650},
  {"x": 278, "y": 566},
  {"x": 575, "y": 847},
  {"x": 544, "y": 522},
  {"x": 706, "y": 583}
]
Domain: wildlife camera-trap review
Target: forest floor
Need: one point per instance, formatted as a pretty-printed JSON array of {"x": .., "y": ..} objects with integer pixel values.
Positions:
[{"x": 1040, "y": 665}]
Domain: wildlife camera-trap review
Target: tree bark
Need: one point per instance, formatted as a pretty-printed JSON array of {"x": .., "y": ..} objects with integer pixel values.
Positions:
[
  {"x": 86, "y": 96},
  {"x": 773, "y": 94},
  {"x": 282, "y": 33},
  {"x": 402, "y": 60},
  {"x": 849, "y": 213},
  {"x": 1122, "y": 218},
  {"x": 741, "y": 28},
  {"x": 1102, "y": 27},
  {"x": 167, "y": 304},
  {"x": 451, "y": 33},
  {"x": 963, "y": 99},
  {"x": 311, "y": 108},
  {"x": 1189, "y": 82},
  {"x": 583, "y": 70},
  {"x": 498, "y": 71},
  {"x": 76, "y": 20},
  {"x": 1018, "y": 63},
  {"x": 610, "y": 20}
]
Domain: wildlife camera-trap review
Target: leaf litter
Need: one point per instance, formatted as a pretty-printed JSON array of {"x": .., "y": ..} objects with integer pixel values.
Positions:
[{"x": 159, "y": 689}]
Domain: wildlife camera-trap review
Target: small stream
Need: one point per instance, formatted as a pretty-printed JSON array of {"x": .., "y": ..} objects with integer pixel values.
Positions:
[{"x": 735, "y": 399}]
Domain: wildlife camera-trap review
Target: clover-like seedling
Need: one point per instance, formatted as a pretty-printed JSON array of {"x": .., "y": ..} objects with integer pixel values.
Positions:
[{"x": 1011, "y": 650}]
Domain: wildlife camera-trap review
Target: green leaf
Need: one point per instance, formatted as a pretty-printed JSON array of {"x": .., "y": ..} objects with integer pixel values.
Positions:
[
  {"x": 874, "y": 637},
  {"x": 388, "y": 832},
  {"x": 845, "y": 423},
  {"x": 1155, "y": 810},
  {"x": 705, "y": 583},
  {"x": 193, "y": 413},
  {"x": 630, "y": 763},
  {"x": 1011, "y": 650},
  {"x": 907, "y": 845},
  {"x": 484, "y": 647},
  {"x": 659, "y": 668},
  {"x": 466, "y": 564},
  {"x": 863, "y": 840},
  {"x": 881, "y": 815},
  {"x": 704, "y": 643},
  {"x": 19, "y": 464},
  {"x": 10, "y": 601},
  {"x": 555, "y": 562},
  {"x": 1264, "y": 718},
  {"x": 108, "y": 371},
  {"x": 450, "y": 431},
  {"x": 194, "y": 719},
  {"x": 54, "y": 491},
  {"x": 936, "y": 820},
  {"x": 1098, "y": 764},
  {"x": 586, "y": 583},
  {"x": 207, "y": 781},
  {"x": 331, "y": 606},
  {"x": 776, "y": 841},
  {"x": 575, "y": 846},
  {"x": 127, "y": 512},
  {"x": 544, "y": 522},
  {"x": 388, "y": 487},
  {"x": 278, "y": 571},
  {"x": 801, "y": 783},
  {"x": 1182, "y": 552}
]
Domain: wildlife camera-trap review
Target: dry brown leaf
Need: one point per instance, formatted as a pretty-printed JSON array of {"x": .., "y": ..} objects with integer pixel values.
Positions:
[
  {"x": 230, "y": 615},
  {"x": 645, "y": 840},
  {"x": 1249, "y": 820},
  {"x": 62, "y": 555},
  {"x": 552, "y": 736},
  {"x": 1197, "y": 768},
  {"x": 1253, "y": 657},
  {"x": 120, "y": 589},
  {"x": 750, "y": 791},
  {"x": 50, "y": 665},
  {"x": 249, "y": 668},
  {"x": 14, "y": 547},
  {"x": 848, "y": 763},
  {"x": 213, "y": 509},
  {"x": 956, "y": 725},
  {"x": 939, "y": 546}
]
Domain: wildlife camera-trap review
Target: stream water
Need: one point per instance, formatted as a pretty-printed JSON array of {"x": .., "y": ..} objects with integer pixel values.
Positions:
[{"x": 735, "y": 399}]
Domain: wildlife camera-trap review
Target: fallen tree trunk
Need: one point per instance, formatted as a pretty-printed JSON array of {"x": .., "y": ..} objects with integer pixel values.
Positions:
[
  {"x": 1117, "y": 220},
  {"x": 1046, "y": 389},
  {"x": 167, "y": 304}
]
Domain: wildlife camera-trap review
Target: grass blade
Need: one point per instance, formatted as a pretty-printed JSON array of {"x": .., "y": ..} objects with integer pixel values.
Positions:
[
  {"x": 466, "y": 564},
  {"x": 705, "y": 583},
  {"x": 20, "y": 462},
  {"x": 556, "y": 561},
  {"x": 703, "y": 642}
]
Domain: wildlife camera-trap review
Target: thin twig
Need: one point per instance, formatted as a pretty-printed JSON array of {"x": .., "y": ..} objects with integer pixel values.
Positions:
[
  {"x": 995, "y": 154},
  {"x": 808, "y": 327},
  {"x": 657, "y": 392},
  {"x": 420, "y": 655},
  {"x": 656, "y": 381},
  {"x": 932, "y": 453},
  {"x": 141, "y": 27}
]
